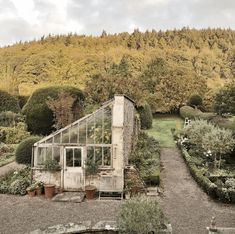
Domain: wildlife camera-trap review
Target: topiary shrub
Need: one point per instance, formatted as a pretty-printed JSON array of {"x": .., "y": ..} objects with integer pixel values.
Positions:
[
  {"x": 8, "y": 102},
  {"x": 39, "y": 117},
  {"x": 23, "y": 152},
  {"x": 146, "y": 117},
  {"x": 195, "y": 100}
]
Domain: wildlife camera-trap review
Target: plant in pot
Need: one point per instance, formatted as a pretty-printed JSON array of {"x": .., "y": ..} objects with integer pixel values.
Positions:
[
  {"x": 31, "y": 190},
  {"x": 39, "y": 187},
  {"x": 91, "y": 169},
  {"x": 51, "y": 166}
]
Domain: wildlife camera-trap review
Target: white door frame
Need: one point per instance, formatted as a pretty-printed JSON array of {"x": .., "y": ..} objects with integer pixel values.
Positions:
[{"x": 74, "y": 169}]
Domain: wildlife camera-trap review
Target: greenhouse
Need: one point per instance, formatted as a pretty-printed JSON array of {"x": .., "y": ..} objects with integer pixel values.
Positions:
[{"x": 105, "y": 137}]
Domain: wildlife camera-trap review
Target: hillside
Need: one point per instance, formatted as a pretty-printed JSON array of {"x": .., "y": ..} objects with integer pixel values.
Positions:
[{"x": 163, "y": 68}]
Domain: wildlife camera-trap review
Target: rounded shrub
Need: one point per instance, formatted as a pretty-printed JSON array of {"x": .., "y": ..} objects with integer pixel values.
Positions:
[
  {"x": 23, "y": 152},
  {"x": 195, "y": 100},
  {"x": 8, "y": 102},
  {"x": 146, "y": 117},
  {"x": 39, "y": 117}
]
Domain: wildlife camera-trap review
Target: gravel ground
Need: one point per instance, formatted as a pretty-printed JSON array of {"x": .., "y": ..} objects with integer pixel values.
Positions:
[
  {"x": 24, "y": 214},
  {"x": 188, "y": 208}
]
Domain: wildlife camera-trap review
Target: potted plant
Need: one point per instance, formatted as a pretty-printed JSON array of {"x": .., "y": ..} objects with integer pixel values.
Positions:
[
  {"x": 91, "y": 169},
  {"x": 31, "y": 190},
  {"x": 39, "y": 187},
  {"x": 51, "y": 166}
]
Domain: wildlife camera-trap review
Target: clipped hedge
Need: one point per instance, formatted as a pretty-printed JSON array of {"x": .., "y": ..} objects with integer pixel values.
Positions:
[
  {"x": 146, "y": 157},
  {"x": 8, "y": 102},
  {"x": 146, "y": 117},
  {"x": 190, "y": 112},
  {"x": 23, "y": 152},
  {"x": 39, "y": 117},
  {"x": 223, "y": 194}
]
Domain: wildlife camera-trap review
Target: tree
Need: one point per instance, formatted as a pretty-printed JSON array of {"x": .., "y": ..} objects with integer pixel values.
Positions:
[
  {"x": 62, "y": 109},
  {"x": 225, "y": 99},
  {"x": 218, "y": 142}
]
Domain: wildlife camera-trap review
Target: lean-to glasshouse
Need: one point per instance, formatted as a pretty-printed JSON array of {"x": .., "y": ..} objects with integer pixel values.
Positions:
[{"x": 105, "y": 136}]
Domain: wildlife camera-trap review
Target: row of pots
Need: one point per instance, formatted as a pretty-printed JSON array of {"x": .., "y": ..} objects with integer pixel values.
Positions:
[{"x": 49, "y": 190}]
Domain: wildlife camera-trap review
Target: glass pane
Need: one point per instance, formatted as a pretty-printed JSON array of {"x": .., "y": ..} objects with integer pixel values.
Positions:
[
  {"x": 98, "y": 155},
  {"x": 98, "y": 136},
  {"x": 69, "y": 157},
  {"x": 107, "y": 156},
  {"x": 74, "y": 134},
  {"x": 57, "y": 138},
  {"x": 82, "y": 133},
  {"x": 77, "y": 157},
  {"x": 90, "y": 152},
  {"x": 41, "y": 156},
  {"x": 107, "y": 125},
  {"x": 48, "y": 153},
  {"x": 56, "y": 153},
  {"x": 50, "y": 140},
  {"x": 90, "y": 131},
  {"x": 65, "y": 136}
]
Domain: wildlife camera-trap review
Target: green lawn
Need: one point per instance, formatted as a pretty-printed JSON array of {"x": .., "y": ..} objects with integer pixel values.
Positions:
[{"x": 161, "y": 129}]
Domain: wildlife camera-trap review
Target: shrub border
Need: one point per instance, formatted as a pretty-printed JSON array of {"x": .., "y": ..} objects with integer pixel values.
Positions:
[{"x": 209, "y": 187}]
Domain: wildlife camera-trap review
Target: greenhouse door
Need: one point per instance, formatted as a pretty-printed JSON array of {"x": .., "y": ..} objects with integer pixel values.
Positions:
[{"x": 73, "y": 171}]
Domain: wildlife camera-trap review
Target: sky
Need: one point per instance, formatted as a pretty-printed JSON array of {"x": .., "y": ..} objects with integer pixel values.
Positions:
[{"x": 30, "y": 19}]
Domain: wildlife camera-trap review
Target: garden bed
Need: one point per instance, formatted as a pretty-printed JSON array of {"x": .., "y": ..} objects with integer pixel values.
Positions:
[{"x": 222, "y": 190}]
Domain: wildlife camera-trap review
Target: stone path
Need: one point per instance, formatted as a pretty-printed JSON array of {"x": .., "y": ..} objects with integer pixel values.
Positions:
[
  {"x": 188, "y": 208},
  {"x": 10, "y": 167}
]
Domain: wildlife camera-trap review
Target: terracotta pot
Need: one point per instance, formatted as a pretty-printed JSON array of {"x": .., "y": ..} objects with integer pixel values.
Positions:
[
  {"x": 31, "y": 193},
  {"x": 49, "y": 190},
  {"x": 90, "y": 192},
  {"x": 39, "y": 191}
]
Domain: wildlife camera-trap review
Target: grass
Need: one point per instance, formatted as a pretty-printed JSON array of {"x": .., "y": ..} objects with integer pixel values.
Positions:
[{"x": 161, "y": 129}]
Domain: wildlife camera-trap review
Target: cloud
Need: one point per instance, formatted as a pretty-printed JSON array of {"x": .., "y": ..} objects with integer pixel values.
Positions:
[{"x": 29, "y": 19}]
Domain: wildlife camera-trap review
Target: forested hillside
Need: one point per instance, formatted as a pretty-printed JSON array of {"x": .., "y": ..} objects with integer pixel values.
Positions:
[{"x": 162, "y": 68}]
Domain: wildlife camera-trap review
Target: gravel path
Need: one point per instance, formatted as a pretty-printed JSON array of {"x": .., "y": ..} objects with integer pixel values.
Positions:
[
  {"x": 188, "y": 208},
  {"x": 24, "y": 214},
  {"x": 10, "y": 167}
]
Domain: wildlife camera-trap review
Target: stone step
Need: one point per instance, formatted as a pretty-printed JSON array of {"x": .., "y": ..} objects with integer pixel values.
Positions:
[{"x": 75, "y": 197}]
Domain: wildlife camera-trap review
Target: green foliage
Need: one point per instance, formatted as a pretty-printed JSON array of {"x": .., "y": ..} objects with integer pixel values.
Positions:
[
  {"x": 15, "y": 182},
  {"x": 51, "y": 165},
  {"x": 22, "y": 100},
  {"x": 39, "y": 117},
  {"x": 146, "y": 117},
  {"x": 195, "y": 100},
  {"x": 8, "y": 102},
  {"x": 13, "y": 135},
  {"x": 215, "y": 191},
  {"x": 190, "y": 112},
  {"x": 224, "y": 101},
  {"x": 23, "y": 152},
  {"x": 10, "y": 119},
  {"x": 146, "y": 157},
  {"x": 141, "y": 215},
  {"x": 92, "y": 167}
]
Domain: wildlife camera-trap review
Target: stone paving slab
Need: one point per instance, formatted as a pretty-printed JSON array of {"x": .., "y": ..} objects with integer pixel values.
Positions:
[{"x": 76, "y": 197}]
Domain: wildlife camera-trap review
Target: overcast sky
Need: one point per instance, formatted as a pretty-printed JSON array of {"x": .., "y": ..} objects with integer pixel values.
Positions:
[{"x": 29, "y": 19}]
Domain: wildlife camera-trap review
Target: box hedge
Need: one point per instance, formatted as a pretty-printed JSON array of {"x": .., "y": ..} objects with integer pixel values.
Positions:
[
  {"x": 221, "y": 193},
  {"x": 190, "y": 112},
  {"x": 39, "y": 117}
]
